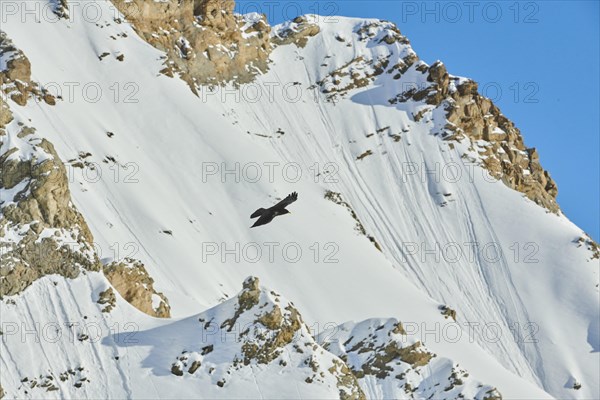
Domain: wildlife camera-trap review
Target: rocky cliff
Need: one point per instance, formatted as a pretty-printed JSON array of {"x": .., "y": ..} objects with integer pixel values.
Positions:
[
  {"x": 495, "y": 143},
  {"x": 204, "y": 41},
  {"x": 42, "y": 231},
  {"x": 494, "y": 138}
]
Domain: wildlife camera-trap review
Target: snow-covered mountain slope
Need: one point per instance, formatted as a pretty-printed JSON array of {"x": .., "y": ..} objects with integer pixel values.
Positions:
[
  {"x": 381, "y": 353},
  {"x": 160, "y": 185}
]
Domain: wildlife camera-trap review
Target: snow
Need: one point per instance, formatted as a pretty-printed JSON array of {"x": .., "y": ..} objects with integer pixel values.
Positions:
[
  {"x": 6, "y": 57},
  {"x": 540, "y": 293},
  {"x": 360, "y": 342}
]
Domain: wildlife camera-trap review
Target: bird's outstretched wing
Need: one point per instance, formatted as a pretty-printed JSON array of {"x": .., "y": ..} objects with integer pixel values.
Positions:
[{"x": 287, "y": 201}]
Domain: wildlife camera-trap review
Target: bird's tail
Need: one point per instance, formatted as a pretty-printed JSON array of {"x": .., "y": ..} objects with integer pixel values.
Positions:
[{"x": 257, "y": 213}]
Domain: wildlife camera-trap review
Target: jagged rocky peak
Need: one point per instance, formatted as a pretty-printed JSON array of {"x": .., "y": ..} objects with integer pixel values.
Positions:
[
  {"x": 493, "y": 136},
  {"x": 494, "y": 140},
  {"x": 384, "y": 53},
  {"x": 259, "y": 328},
  {"x": 204, "y": 40}
]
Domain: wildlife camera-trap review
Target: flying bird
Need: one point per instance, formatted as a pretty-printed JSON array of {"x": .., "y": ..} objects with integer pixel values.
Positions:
[{"x": 266, "y": 215}]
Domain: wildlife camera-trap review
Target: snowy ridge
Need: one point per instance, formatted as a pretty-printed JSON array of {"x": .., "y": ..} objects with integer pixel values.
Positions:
[
  {"x": 545, "y": 311},
  {"x": 390, "y": 364},
  {"x": 256, "y": 345}
]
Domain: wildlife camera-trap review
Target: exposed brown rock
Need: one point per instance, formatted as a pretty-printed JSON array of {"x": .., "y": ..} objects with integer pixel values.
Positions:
[
  {"x": 364, "y": 155},
  {"x": 269, "y": 331},
  {"x": 471, "y": 115},
  {"x": 49, "y": 201},
  {"x": 337, "y": 199},
  {"x": 15, "y": 79},
  {"x": 130, "y": 278},
  {"x": 492, "y": 395},
  {"x": 447, "y": 312},
  {"x": 282, "y": 328},
  {"x": 247, "y": 299},
  {"x": 381, "y": 354},
  {"x": 357, "y": 73},
  {"x": 507, "y": 157},
  {"x": 60, "y": 8},
  {"x": 298, "y": 32},
  {"x": 5, "y": 116},
  {"x": 107, "y": 297},
  {"x": 194, "y": 367},
  {"x": 399, "y": 329},
  {"x": 380, "y": 363},
  {"x": 44, "y": 202},
  {"x": 176, "y": 370},
  {"x": 283, "y": 333},
  {"x": 205, "y": 41},
  {"x": 590, "y": 245},
  {"x": 346, "y": 382}
]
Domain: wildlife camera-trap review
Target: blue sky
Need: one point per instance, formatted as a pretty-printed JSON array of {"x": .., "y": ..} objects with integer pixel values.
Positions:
[{"x": 538, "y": 61}]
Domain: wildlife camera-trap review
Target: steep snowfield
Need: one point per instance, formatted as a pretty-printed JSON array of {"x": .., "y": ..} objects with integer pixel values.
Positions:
[{"x": 533, "y": 314}]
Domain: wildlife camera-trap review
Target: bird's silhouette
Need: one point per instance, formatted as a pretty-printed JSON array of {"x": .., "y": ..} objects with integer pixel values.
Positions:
[{"x": 266, "y": 215}]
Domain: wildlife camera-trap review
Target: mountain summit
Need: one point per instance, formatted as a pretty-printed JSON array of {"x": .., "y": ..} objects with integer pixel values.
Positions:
[{"x": 428, "y": 258}]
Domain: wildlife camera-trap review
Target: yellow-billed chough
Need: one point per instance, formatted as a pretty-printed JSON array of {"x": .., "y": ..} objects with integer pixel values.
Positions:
[{"x": 266, "y": 215}]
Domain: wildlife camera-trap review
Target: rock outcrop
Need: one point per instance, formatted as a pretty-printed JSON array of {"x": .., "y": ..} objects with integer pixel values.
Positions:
[
  {"x": 588, "y": 243},
  {"x": 494, "y": 139},
  {"x": 5, "y": 116},
  {"x": 130, "y": 278},
  {"x": 259, "y": 327},
  {"x": 373, "y": 358},
  {"x": 108, "y": 299},
  {"x": 495, "y": 143},
  {"x": 60, "y": 8},
  {"x": 297, "y": 32},
  {"x": 15, "y": 77},
  {"x": 361, "y": 71},
  {"x": 42, "y": 232},
  {"x": 336, "y": 198},
  {"x": 447, "y": 312},
  {"x": 493, "y": 136},
  {"x": 381, "y": 354},
  {"x": 205, "y": 42}
]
